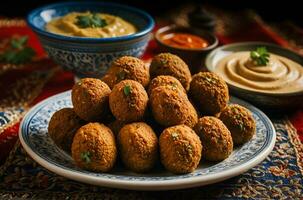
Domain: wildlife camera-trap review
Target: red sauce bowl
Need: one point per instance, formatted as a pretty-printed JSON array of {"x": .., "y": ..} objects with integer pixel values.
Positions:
[{"x": 194, "y": 57}]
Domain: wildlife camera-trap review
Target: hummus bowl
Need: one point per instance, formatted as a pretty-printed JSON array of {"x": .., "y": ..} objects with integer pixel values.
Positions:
[
  {"x": 262, "y": 95},
  {"x": 88, "y": 56}
]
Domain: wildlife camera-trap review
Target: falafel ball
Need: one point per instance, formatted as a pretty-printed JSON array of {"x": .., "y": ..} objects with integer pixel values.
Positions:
[
  {"x": 90, "y": 99},
  {"x": 164, "y": 80},
  {"x": 128, "y": 101},
  {"x": 170, "y": 64},
  {"x": 215, "y": 137},
  {"x": 94, "y": 148},
  {"x": 180, "y": 149},
  {"x": 127, "y": 67},
  {"x": 172, "y": 107},
  {"x": 138, "y": 146},
  {"x": 63, "y": 126},
  {"x": 240, "y": 123},
  {"x": 209, "y": 92}
]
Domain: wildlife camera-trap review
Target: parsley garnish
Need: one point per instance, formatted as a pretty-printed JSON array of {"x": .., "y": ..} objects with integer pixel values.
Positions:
[
  {"x": 19, "y": 42},
  {"x": 127, "y": 90},
  {"x": 260, "y": 56},
  {"x": 175, "y": 136},
  {"x": 121, "y": 75},
  {"x": 17, "y": 52},
  {"x": 164, "y": 61},
  {"x": 209, "y": 80},
  {"x": 90, "y": 21},
  {"x": 189, "y": 148},
  {"x": 86, "y": 156}
]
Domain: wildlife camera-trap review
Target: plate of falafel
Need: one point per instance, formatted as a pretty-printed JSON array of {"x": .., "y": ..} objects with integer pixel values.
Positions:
[{"x": 145, "y": 127}]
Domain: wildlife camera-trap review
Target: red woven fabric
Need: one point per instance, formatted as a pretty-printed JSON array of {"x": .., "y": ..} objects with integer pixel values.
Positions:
[
  {"x": 297, "y": 120},
  {"x": 6, "y": 32},
  {"x": 7, "y": 140}
]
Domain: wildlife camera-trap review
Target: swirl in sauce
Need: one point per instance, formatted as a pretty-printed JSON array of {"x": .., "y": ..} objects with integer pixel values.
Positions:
[{"x": 280, "y": 75}]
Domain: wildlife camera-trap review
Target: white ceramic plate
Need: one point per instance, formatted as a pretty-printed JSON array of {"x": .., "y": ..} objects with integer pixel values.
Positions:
[{"x": 36, "y": 141}]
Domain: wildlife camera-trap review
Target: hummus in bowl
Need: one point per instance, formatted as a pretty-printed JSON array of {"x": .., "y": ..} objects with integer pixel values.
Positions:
[
  {"x": 275, "y": 83},
  {"x": 85, "y": 37},
  {"x": 88, "y": 24}
]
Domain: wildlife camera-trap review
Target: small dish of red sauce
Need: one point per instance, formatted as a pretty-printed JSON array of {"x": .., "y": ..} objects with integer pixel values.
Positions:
[
  {"x": 190, "y": 44},
  {"x": 184, "y": 40}
]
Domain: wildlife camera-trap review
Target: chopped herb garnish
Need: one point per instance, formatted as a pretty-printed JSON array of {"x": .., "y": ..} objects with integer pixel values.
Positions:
[
  {"x": 209, "y": 80},
  {"x": 241, "y": 126},
  {"x": 17, "y": 52},
  {"x": 238, "y": 116},
  {"x": 175, "y": 136},
  {"x": 131, "y": 104},
  {"x": 260, "y": 56},
  {"x": 174, "y": 86},
  {"x": 127, "y": 90},
  {"x": 86, "y": 156},
  {"x": 19, "y": 43},
  {"x": 164, "y": 61},
  {"x": 121, "y": 75},
  {"x": 90, "y": 21},
  {"x": 239, "y": 121},
  {"x": 233, "y": 108},
  {"x": 189, "y": 148}
]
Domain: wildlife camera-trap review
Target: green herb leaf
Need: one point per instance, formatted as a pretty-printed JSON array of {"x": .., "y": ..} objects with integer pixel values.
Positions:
[
  {"x": 209, "y": 80},
  {"x": 86, "y": 156},
  {"x": 17, "y": 52},
  {"x": 18, "y": 43},
  {"x": 260, "y": 56},
  {"x": 90, "y": 21},
  {"x": 175, "y": 136},
  {"x": 189, "y": 148},
  {"x": 241, "y": 126},
  {"x": 163, "y": 61},
  {"x": 17, "y": 57},
  {"x": 121, "y": 75},
  {"x": 174, "y": 86},
  {"x": 83, "y": 21},
  {"x": 127, "y": 90}
]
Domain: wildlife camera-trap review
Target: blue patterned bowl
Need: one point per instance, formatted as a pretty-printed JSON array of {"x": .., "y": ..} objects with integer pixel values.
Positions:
[{"x": 90, "y": 57}]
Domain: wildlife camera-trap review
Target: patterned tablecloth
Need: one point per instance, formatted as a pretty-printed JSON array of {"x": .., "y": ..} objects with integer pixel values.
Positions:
[{"x": 278, "y": 177}]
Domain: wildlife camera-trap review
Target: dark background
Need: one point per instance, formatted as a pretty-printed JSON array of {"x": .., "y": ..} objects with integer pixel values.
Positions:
[{"x": 270, "y": 10}]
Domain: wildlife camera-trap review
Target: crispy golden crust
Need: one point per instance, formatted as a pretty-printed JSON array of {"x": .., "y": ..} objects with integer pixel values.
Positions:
[
  {"x": 138, "y": 146},
  {"x": 163, "y": 80},
  {"x": 215, "y": 137},
  {"x": 169, "y": 64},
  {"x": 209, "y": 92},
  {"x": 94, "y": 148},
  {"x": 128, "y": 101},
  {"x": 171, "y": 107},
  {"x": 240, "y": 122},
  {"x": 63, "y": 126},
  {"x": 127, "y": 67},
  {"x": 90, "y": 99},
  {"x": 180, "y": 149}
]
